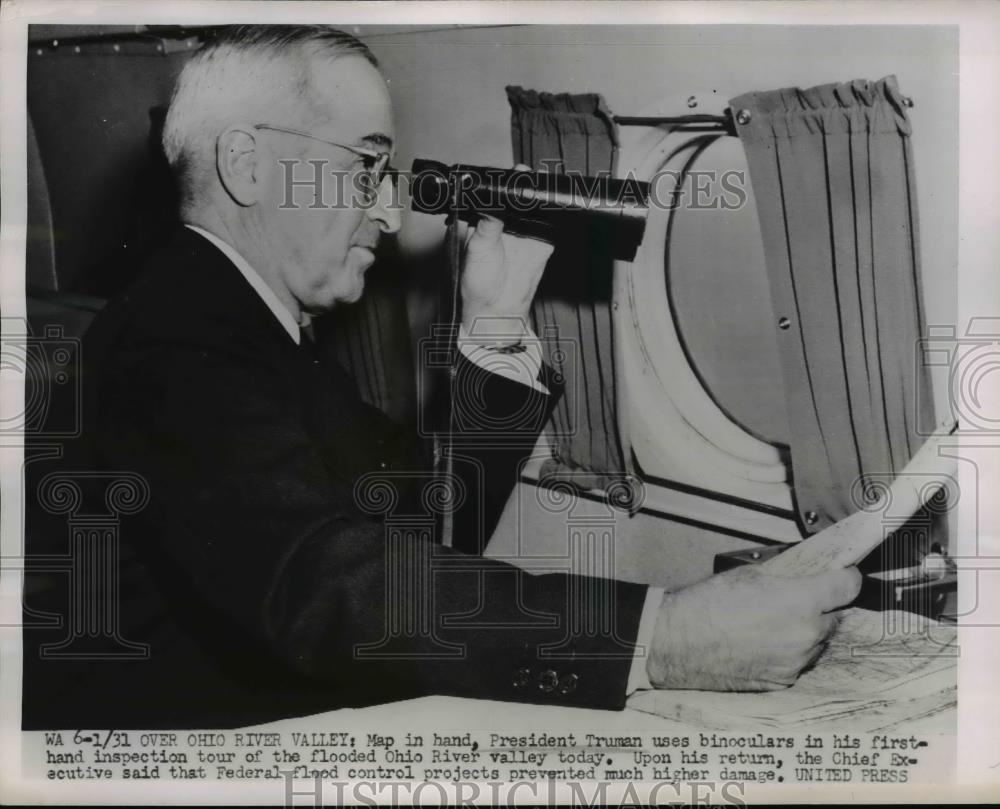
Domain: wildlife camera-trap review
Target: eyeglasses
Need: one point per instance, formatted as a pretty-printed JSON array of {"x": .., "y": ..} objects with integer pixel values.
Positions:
[{"x": 376, "y": 164}]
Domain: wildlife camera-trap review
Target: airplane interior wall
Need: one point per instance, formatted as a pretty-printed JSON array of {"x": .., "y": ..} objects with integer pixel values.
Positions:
[
  {"x": 109, "y": 197},
  {"x": 448, "y": 90}
]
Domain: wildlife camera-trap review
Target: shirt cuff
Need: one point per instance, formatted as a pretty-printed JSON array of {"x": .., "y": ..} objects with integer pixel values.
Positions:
[
  {"x": 638, "y": 680},
  {"x": 523, "y": 366}
]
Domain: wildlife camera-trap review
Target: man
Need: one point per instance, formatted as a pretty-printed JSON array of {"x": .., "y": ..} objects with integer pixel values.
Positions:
[{"x": 257, "y": 574}]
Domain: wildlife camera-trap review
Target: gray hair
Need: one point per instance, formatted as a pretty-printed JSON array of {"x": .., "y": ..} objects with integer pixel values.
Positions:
[{"x": 244, "y": 70}]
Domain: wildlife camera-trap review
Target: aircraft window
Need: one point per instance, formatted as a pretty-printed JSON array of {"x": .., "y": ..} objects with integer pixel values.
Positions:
[{"x": 702, "y": 379}]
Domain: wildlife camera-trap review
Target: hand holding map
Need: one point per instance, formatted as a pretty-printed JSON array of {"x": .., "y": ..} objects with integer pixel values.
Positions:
[{"x": 853, "y": 538}]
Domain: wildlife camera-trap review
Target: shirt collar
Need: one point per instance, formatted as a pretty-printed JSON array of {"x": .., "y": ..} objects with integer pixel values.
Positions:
[{"x": 266, "y": 294}]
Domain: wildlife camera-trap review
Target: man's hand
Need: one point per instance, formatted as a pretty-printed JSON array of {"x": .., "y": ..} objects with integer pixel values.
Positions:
[
  {"x": 744, "y": 630},
  {"x": 499, "y": 279}
]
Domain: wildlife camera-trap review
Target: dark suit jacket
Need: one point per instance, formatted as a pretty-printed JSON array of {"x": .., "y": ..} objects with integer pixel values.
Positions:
[{"x": 267, "y": 574}]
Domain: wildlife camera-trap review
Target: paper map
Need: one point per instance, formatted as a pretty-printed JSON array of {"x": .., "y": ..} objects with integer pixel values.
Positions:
[
  {"x": 853, "y": 538},
  {"x": 880, "y": 670}
]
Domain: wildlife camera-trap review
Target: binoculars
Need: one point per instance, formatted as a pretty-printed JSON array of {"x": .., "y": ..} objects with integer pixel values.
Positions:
[{"x": 610, "y": 214}]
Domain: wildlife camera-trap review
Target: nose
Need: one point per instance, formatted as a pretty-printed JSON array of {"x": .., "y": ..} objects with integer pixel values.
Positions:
[{"x": 385, "y": 211}]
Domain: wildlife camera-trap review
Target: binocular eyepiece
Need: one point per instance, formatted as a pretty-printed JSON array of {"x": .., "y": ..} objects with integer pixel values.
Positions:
[{"x": 610, "y": 213}]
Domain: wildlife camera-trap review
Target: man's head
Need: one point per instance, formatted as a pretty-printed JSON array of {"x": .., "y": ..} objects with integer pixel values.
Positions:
[{"x": 235, "y": 176}]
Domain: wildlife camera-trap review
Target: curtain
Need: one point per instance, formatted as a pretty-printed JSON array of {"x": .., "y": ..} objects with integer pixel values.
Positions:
[
  {"x": 371, "y": 339},
  {"x": 832, "y": 171},
  {"x": 572, "y": 311}
]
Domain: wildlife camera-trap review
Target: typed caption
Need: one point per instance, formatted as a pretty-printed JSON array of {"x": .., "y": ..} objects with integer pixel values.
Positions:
[{"x": 441, "y": 756}]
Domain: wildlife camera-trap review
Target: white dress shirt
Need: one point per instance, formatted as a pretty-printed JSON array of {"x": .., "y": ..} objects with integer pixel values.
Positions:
[
  {"x": 266, "y": 294},
  {"x": 522, "y": 367}
]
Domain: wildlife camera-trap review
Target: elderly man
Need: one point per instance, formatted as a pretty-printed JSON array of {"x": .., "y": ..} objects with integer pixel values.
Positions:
[{"x": 262, "y": 586}]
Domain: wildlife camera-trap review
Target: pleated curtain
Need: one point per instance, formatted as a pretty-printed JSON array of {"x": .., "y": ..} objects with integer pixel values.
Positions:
[
  {"x": 371, "y": 339},
  {"x": 832, "y": 172},
  {"x": 572, "y": 311}
]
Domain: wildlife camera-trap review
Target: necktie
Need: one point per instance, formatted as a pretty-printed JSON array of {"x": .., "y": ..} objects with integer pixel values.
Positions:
[{"x": 308, "y": 345}]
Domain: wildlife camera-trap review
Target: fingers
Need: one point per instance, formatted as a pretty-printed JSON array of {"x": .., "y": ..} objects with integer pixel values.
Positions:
[
  {"x": 487, "y": 230},
  {"x": 843, "y": 587},
  {"x": 827, "y": 626},
  {"x": 829, "y": 590},
  {"x": 812, "y": 656},
  {"x": 812, "y": 647},
  {"x": 763, "y": 685},
  {"x": 831, "y": 621},
  {"x": 489, "y": 226}
]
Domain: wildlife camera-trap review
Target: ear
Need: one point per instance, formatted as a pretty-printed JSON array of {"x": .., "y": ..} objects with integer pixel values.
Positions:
[{"x": 237, "y": 162}]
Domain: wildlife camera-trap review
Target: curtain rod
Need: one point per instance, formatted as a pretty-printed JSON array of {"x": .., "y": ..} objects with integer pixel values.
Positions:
[{"x": 695, "y": 123}]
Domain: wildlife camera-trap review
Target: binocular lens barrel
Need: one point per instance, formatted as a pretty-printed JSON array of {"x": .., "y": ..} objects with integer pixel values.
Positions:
[{"x": 610, "y": 213}]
